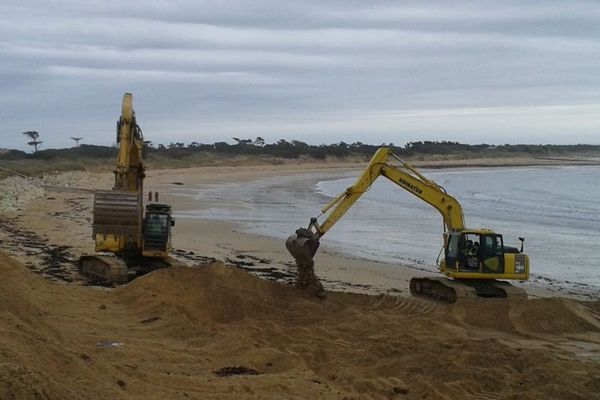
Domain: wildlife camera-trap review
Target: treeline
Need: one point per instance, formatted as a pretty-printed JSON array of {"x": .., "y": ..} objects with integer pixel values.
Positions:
[{"x": 296, "y": 149}]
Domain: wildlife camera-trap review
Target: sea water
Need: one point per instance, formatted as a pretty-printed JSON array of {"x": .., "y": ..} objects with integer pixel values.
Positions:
[{"x": 556, "y": 210}]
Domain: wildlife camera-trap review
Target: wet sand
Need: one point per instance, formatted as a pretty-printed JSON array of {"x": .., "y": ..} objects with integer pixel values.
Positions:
[
  {"x": 217, "y": 332},
  {"x": 62, "y": 218}
]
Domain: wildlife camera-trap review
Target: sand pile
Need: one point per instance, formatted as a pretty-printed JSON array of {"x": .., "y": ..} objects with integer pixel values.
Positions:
[
  {"x": 361, "y": 344},
  {"x": 216, "y": 332},
  {"x": 554, "y": 316},
  {"x": 216, "y": 294},
  {"x": 36, "y": 360}
]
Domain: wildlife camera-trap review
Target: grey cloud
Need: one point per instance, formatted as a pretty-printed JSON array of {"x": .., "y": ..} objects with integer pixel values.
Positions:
[{"x": 314, "y": 70}]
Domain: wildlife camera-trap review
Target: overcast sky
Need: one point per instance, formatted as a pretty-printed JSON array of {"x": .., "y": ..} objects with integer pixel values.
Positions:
[{"x": 317, "y": 71}]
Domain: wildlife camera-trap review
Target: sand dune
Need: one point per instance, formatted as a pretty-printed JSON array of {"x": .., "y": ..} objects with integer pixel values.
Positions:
[{"x": 166, "y": 334}]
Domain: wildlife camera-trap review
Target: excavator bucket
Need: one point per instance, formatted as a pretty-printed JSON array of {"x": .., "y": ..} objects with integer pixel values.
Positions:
[
  {"x": 303, "y": 245},
  {"x": 117, "y": 213}
]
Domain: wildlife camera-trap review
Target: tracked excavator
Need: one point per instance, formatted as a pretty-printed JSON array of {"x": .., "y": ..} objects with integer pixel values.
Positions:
[
  {"x": 476, "y": 262},
  {"x": 130, "y": 239}
]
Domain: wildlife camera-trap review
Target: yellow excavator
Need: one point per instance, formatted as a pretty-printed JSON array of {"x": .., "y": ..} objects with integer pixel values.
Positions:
[
  {"x": 129, "y": 239},
  {"x": 476, "y": 260}
]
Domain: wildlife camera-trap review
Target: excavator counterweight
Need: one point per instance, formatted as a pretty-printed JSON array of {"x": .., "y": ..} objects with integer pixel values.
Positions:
[{"x": 117, "y": 219}]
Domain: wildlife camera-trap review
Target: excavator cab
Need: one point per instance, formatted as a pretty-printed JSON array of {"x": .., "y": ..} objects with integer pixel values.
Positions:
[
  {"x": 481, "y": 252},
  {"x": 476, "y": 260},
  {"x": 157, "y": 230}
]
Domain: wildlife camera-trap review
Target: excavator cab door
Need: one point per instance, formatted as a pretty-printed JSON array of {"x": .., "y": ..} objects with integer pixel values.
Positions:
[
  {"x": 452, "y": 251},
  {"x": 157, "y": 231},
  {"x": 492, "y": 254}
]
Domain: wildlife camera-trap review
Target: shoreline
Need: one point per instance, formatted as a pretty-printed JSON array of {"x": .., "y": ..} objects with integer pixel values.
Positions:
[
  {"x": 286, "y": 165},
  {"x": 344, "y": 271},
  {"x": 63, "y": 218}
]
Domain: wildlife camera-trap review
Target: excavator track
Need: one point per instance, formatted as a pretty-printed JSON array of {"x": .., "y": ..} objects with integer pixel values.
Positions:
[
  {"x": 104, "y": 269},
  {"x": 114, "y": 271},
  {"x": 174, "y": 263},
  {"x": 450, "y": 291},
  {"x": 440, "y": 289},
  {"x": 511, "y": 292}
]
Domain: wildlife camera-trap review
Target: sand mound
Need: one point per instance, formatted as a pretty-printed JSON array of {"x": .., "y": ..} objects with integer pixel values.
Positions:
[
  {"x": 554, "y": 316},
  {"x": 216, "y": 294},
  {"x": 23, "y": 333},
  {"x": 176, "y": 330},
  {"x": 211, "y": 294},
  {"x": 185, "y": 301},
  {"x": 36, "y": 360},
  {"x": 360, "y": 343}
]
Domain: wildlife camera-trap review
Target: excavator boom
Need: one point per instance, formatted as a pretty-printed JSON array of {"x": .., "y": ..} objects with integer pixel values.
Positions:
[{"x": 404, "y": 176}]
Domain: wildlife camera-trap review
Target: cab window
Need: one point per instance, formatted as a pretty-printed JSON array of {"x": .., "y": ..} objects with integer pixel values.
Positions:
[
  {"x": 452, "y": 251},
  {"x": 492, "y": 253},
  {"x": 157, "y": 225}
]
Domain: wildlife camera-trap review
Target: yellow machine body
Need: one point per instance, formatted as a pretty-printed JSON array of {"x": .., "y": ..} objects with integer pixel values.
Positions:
[
  {"x": 492, "y": 262},
  {"x": 139, "y": 237}
]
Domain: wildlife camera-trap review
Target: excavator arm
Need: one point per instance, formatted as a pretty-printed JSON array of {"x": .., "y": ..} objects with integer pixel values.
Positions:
[
  {"x": 118, "y": 213},
  {"x": 129, "y": 174},
  {"x": 304, "y": 244},
  {"x": 430, "y": 193}
]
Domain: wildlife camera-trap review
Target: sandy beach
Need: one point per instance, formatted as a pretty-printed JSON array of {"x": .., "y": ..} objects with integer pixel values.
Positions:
[
  {"x": 63, "y": 218},
  {"x": 217, "y": 331},
  {"x": 338, "y": 270}
]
